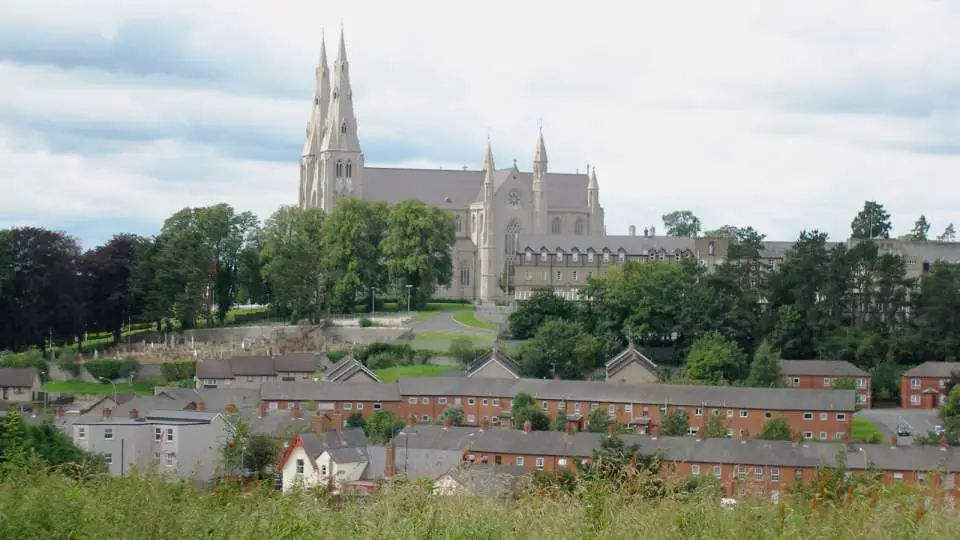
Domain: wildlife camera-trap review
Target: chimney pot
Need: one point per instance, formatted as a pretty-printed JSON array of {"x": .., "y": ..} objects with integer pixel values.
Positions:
[
  {"x": 107, "y": 412},
  {"x": 134, "y": 414},
  {"x": 527, "y": 427}
]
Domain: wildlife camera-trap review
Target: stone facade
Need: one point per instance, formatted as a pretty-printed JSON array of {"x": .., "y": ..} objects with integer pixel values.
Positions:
[{"x": 491, "y": 207}]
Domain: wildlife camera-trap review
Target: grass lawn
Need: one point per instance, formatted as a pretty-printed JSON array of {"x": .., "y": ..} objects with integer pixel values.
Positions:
[
  {"x": 467, "y": 317},
  {"x": 865, "y": 430},
  {"x": 440, "y": 341},
  {"x": 419, "y": 370},
  {"x": 84, "y": 387}
]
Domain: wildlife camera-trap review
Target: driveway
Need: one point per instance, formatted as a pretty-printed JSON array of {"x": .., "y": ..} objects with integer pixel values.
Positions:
[
  {"x": 442, "y": 321},
  {"x": 920, "y": 421}
]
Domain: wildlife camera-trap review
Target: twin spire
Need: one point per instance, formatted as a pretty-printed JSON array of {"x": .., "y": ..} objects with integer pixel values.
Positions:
[
  {"x": 333, "y": 124},
  {"x": 539, "y": 155}
]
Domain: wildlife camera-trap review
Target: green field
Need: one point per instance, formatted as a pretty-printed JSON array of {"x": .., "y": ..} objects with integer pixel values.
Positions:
[
  {"x": 865, "y": 430},
  {"x": 100, "y": 389},
  {"x": 440, "y": 341},
  {"x": 419, "y": 370},
  {"x": 467, "y": 317}
]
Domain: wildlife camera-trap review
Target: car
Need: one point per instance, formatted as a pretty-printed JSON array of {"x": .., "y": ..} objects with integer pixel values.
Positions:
[
  {"x": 903, "y": 430},
  {"x": 938, "y": 430}
]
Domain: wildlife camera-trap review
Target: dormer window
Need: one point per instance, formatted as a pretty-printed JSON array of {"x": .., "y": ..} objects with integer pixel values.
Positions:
[
  {"x": 589, "y": 256},
  {"x": 530, "y": 256},
  {"x": 606, "y": 257},
  {"x": 621, "y": 257},
  {"x": 559, "y": 257},
  {"x": 544, "y": 256}
]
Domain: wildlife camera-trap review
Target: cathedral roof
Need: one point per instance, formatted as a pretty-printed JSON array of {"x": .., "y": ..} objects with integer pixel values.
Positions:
[
  {"x": 453, "y": 188},
  {"x": 630, "y": 244}
]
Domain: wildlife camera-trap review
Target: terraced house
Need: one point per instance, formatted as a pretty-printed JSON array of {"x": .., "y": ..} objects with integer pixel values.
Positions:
[
  {"x": 251, "y": 371},
  {"x": 925, "y": 386},
  {"x": 825, "y": 374}
]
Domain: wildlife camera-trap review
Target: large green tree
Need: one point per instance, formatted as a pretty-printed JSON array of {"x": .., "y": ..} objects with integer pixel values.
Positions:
[
  {"x": 681, "y": 223},
  {"x": 715, "y": 359},
  {"x": 873, "y": 221},
  {"x": 543, "y": 305},
  {"x": 352, "y": 237},
  {"x": 560, "y": 348},
  {"x": 418, "y": 249},
  {"x": 292, "y": 250}
]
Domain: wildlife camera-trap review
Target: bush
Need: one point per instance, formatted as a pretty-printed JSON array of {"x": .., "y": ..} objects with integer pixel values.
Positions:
[
  {"x": 336, "y": 356},
  {"x": 423, "y": 356},
  {"x": 178, "y": 371},
  {"x": 111, "y": 369},
  {"x": 67, "y": 361},
  {"x": 366, "y": 322},
  {"x": 387, "y": 359},
  {"x": 404, "y": 351},
  {"x": 31, "y": 358}
]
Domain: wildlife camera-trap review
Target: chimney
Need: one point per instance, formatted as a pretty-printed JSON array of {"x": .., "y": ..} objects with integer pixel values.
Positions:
[
  {"x": 484, "y": 424},
  {"x": 107, "y": 412},
  {"x": 632, "y": 230},
  {"x": 262, "y": 411},
  {"x": 411, "y": 420},
  {"x": 231, "y": 408},
  {"x": 201, "y": 406},
  {"x": 337, "y": 420},
  {"x": 390, "y": 467},
  {"x": 318, "y": 423},
  {"x": 527, "y": 427},
  {"x": 893, "y": 441},
  {"x": 653, "y": 232},
  {"x": 943, "y": 442},
  {"x": 447, "y": 422},
  {"x": 134, "y": 414},
  {"x": 611, "y": 430}
]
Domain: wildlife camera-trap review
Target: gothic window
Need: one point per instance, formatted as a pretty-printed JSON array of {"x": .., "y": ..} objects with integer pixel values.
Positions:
[
  {"x": 473, "y": 222},
  {"x": 349, "y": 170},
  {"x": 578, "y": 226},
  {"x": 555, "y": 227},
  {"x": 512, "y": 237},
  {"x": 343, "y": 127},
  {"x": 464, "y": 275},
  {"x": 459, "y": 223},
  {"x": 339, "y": 169}
]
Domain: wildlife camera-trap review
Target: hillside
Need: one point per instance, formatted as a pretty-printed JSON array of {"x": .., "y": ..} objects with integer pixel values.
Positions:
[{"x": 41, "y": 505}]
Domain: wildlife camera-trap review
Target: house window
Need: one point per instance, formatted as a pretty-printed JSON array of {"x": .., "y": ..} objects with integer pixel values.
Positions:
[
  {"x": 824, "y": 416},
  {"x": 921, "y": 477},
  {"x": 826, "y": 381},
  {"x": 611, "y": 410},
  {"x": 441, "y": 401},
  {"x": 798, "y": 474},
  {"x": 456, "y": 401},
  {"x": 576, "y": 408},
  {"x": 606, "y": 257},
  {"x": 589, "y": 274},
  {"x": 562, "y": 462},
  {"x": 729, "y": 413},
  {"x": 914, "y": 399},
  {"x": 695, "y": 470},
  {"x": 529, "y": 256},
  {"x": 274, "y": 405},
  {"x": 348, "y": 406},
  {"x": 484, "y": 402},
  {"x": 109, "y": 459},
  {"x": 171, "y": 460},
  {"x": 496, "y": 402},
  {"x": 559, "y": 275},
  {"x": 897, "y": 477},
  {"x": 717, "y": 470},
  {"x": 594, "y": 406},
  {"x": 412, "y": 401},
  {"x": 573, "y": 275},
  {"x": 529, "y": 275},
  {"x": 741, "y": 472},
  {"x": 108, "y": 433},
  {"x": 544, "y": 404},
  {"x": 471, "y": 419},
  {"x": 628, "y": 408},
  {"x": 169, "y": 434},
  {"x": 578, "y": 226},
  {"x": 359, "y": 406},
  {"x": 426, "y": 401},
  {"x": 698, "y": 411},
  {"x": 861, "y": 382},
  {"x": 540, "y": 463},
  {"x": 767, "y": 414},
  {"x": 744, "y": 413},
  {"x": 323, "y": 471},
  {"x": 589, "y": 256},
  {"x": 555, "y": 226},
  {"x": 561, "y": 405},
  {"x": 758, "y": 473},
  {"x": 775, "y": 474},
  {"x": 520, "y": 461},
  {"x": 377, "y": 406},
  {"x": 808, "y": 416},
  {"x": 838, "y": 436},
  {"x": 943, "y": 383},
  {"x": 841, "y": 417},
  {"x": 914, "y": 383},
  {"x": 299, "y": 466},
  {"x": 465, "y": 276},
  {"x": 158, "y": 434},
  {"x": 621, "y": 257},
  {"x": 823, "y": 435},
  {"x": 471, "y": 401},
  {"x": 425, "y": 418}
]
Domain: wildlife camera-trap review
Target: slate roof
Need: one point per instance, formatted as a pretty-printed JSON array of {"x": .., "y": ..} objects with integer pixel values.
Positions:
[
  {"x": 328, "y": 391},
  {"x": 346, "y": 368},
  {"x": 495, "y": 354},
  {"x": 456, "y": 189},
  {"x": 257, "y": 366},
  {"x": 252, "y": 366},
  {"x": 174, "y": 414},
  {"x": 428, "y": 436},
  {"x": 414, "y": 463},
  {"x": 835, "y": 368},
  {"x": 625, "y": 358},
  {"x": 18, "y": 377},
  {"x": 300, "y": 362},
  {"x": 214, "y": 369},
  {"x": 783, "y": 399},
  {"x": 933, "y": 369}
]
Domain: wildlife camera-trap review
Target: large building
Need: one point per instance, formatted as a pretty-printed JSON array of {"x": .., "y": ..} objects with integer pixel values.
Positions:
[{"x": 491, "y": 207}]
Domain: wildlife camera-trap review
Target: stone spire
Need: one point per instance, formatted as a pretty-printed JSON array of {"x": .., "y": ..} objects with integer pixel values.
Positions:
[
  {"x": 540, "y": 221},
  {"x": 593, "y": 204},
  {"x": 321, "y": 101},
  {"x": 341, "y": 130},
  {"x": 488, "y": 165},
  {"x": 540, "y": 154}
]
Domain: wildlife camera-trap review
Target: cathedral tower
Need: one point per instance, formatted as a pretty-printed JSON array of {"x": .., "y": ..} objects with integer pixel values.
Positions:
[
  {"x": 488, "y": 231},
  {"x": 309, "y": 189},
  {"x": 540, "y": 187},
  {"x": 340, "y": 170}
]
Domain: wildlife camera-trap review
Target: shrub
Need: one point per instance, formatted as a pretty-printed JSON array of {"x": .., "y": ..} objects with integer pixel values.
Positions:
[
  {"x": 366, "y": 322},
  {"x": 111, "y": 369},
  {"x": 423, "y": 356},
  {"x": 67, "y": 361},
  {"x": 336, "y": 356},
  {"x": 178, "y": 371},
  {"x": 401, "y": 350}
]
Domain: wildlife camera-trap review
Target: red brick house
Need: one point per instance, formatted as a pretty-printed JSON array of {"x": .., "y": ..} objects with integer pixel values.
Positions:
[
  {"x": 824, "y": 374},
  {"x": 924, "y": 386}
]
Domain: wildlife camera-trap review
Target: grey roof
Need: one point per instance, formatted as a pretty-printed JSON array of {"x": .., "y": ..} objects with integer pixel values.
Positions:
[
  {"x": 837, "y": 368},
  {"x": 299, "y": 362},
  {"x": 534, "y": 443},
  {"x": 311, "y": 445},
  {"x": 489, "y": 481},
  {"x": 146, "y": 403},
  {"x": 346, "y": 368},
  {"x": 18, "y": 377},
  {"x": 173, "y": 414},
  {"x": 457, "y": 189},
  {"x": 632, "y": 245},
  {"x": 328, "y": 391},
  {"x": 252, "y": 366},
  {"x": 495, "y": 354},
  {"x": 214, "y": 399},
  {"x": 437, "y": 437},
  {"x": 414, "y": 463},
  {"x": 622, "y": 360},
  {"x": 214, "y": 369},
  {"x": 784, "y": 399},
  {"x": 933, "y": 369}
]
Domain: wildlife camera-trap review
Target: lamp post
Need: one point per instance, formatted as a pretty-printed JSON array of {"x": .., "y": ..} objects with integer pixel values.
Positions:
[
  {"x": 104, "y": 379},
  {"x": 44, "y": 373},
  {"x": 409, "y": 292}
]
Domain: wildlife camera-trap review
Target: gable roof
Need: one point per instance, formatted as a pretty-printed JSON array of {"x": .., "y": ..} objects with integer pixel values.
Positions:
[
  {"x": 347, "y": 367},
  {"x": 18, "y": 377},
  {"x": 328, "y": 391},
  {"x": 836, "y": 368},
  {"x": 625, "y": 358},
  {"x": 252, "y": 366},
  {"x": 933, "y": 369},
  {"x": 497, "y": 356},
  {"x": 214, "y": 369},
  {"x": 299, "y": 362}
]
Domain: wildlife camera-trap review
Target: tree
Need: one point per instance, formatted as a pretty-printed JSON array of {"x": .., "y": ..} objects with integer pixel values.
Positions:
[
  {"x": 560, "y": 348},
  {"x": 675, "y": 423},
  {"x": 949, "y": 234},
  {"x": 715, "y": 359},
  {"x": 418, "y": 248},
  {"x": 353, "y": 235},
  {"x": 765, "y": 368},
  {"x": 845, "y": 383},
  {"x": 463, "y": 350},
  {"x": 920, "y": 229},
  {"x": 715, "y": 428},
  {"x": 871, "y": 222},
  {"x": 524, "y": 409},
  {"x": 775, "y": 429},
  {"x": 598, "y": 421},
  {"x": 726, "y": 231},
  {"x": 356, "y": 420},
  {"x": 382, "y": 426},
  {"x": 543, "y": 305},
  {"x": 950, "y": 413},
  {"x": 261, "y": 454},
  {"x": 681, "y": 223},
  {"x": 292, "y": 250},
  {"x": 454, "y": 413},
  {"x": 108, "y": 273}
]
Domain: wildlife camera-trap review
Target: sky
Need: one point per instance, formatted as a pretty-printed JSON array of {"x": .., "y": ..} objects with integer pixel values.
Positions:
[{"x": 783, "y": 116}]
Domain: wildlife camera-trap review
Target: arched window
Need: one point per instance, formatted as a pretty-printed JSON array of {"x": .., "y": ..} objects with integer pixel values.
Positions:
[
  {"x": 323, "y": 470},
  {"x": 339, "y": 169},
  {"x": 458, "y": 221},
  {"x": 555, "y": 227},
  {"x": 512, "y": 242},
  {"x": 343, "y": 127},
  {"x": 473, "y": 222},
  {"x": 464, "y": 275},
  {"x": 349, "y": 170},
  {"x": 578, "y": 226},
  {"x": 481, "y": 223}
]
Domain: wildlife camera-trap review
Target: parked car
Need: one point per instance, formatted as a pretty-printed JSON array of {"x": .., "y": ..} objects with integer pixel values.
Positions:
[
  {"x": 938, "y": 430},
  {"x": 903, "y": 430}
]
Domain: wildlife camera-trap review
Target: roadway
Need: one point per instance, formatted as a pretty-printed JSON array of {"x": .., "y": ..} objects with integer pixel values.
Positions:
[{"x": 920, "y": 421}]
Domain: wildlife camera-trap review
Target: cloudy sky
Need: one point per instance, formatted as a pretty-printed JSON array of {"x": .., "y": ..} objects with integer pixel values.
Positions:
[{"x": 114, "y": 114}]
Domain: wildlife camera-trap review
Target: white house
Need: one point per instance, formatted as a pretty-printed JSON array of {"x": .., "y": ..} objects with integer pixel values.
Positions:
[{"x": 338, "y": 458}]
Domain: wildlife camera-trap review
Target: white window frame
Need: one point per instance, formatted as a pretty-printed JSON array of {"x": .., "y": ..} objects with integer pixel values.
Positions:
[
  {"x": 841, "y": 417},
  {"x": 774, "y": 474},
  {"x": 861, "y": 382},
  {"x": 915, "y": 384},
  {"x": 108, "y": 434},
  {"x": 169, "y": 434},
  {"x": 425, "y": 401},
  {"x": 914, "y": 399},
  {"x": 695, "y": 470},
  {"x": 698, "y": 411},
  {"x": 347, "y": 406},
  {"x": 81, "y": 432},
  {"x": 758, "y": 474},
  {"x": 412, "y": 401},
  {"x": 744, "y": 413},
  {"x": 441, "y": 401},
  {"x": 717, "y": 471},
  {"x": 520, "y": 461},
  {"x": 824, "y": 416},
  {"x": 808, "y": 416},
  {"x": 539, "y": 463}
]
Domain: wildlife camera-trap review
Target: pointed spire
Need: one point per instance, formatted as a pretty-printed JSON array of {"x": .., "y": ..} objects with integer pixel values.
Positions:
[
  {"x": 321, "y": 101},
  {"x": 540, "y": 154},
  {"x": 488, "y": 164},
  {"x": 593, "y": 179},
  {"x": 341, "y": 123}
]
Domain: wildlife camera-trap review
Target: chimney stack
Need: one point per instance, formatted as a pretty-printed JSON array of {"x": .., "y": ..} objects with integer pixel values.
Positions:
[
  {"x": 527, "y": 427},
  {"x": 134, "y": 414},
  {"x": 201, "y": 406},
  {"x": 411, "y": 420},
  {"x": 611, "y": 430},
  {"x": 653, "y": 232},
  {"x": 632, "y": 230},
  {"x": 447, "y": 422},
  {"x": 943, "y": 442},
  {"x": 107, "y": 412},
  {"x": 484, "y": 424},
  {"x": 262, "y": 411},
  {"x": 390, "y": 467},
  {"x": 646, "y": 232}
]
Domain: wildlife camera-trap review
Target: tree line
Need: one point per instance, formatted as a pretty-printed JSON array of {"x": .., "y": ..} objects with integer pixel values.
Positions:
[
  {"x": 732, "y": 325},
  {"x": 302, "y": 262}
]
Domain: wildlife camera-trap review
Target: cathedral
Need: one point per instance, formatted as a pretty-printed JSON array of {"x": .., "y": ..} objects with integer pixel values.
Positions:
[{"x": 495, "y": 211}]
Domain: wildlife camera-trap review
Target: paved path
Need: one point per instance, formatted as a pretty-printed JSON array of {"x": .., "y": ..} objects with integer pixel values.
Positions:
[
  {"x": 442, "y": 321},
  {"x": 920, "y": 421}
]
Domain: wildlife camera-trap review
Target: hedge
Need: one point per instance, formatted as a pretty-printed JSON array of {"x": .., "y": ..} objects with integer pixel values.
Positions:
[{"x": 178, "y": 371}]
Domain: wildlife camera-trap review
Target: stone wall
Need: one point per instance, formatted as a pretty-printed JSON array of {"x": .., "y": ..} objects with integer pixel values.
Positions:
[{"x": 259, "y": 335}]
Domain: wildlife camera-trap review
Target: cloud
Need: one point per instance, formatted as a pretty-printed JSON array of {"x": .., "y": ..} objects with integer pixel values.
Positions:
[{"x": 115, "y": 114}]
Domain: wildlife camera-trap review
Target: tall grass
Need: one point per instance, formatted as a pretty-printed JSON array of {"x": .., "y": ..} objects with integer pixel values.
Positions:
[{"x": 43, "y": 505}]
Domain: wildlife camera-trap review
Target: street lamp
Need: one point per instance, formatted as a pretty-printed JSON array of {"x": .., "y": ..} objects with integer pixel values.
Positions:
[
  {"x": 104, "y": 379},
  {"x": 409, "y": 291},
  {"x": 44, "y": 373}
]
